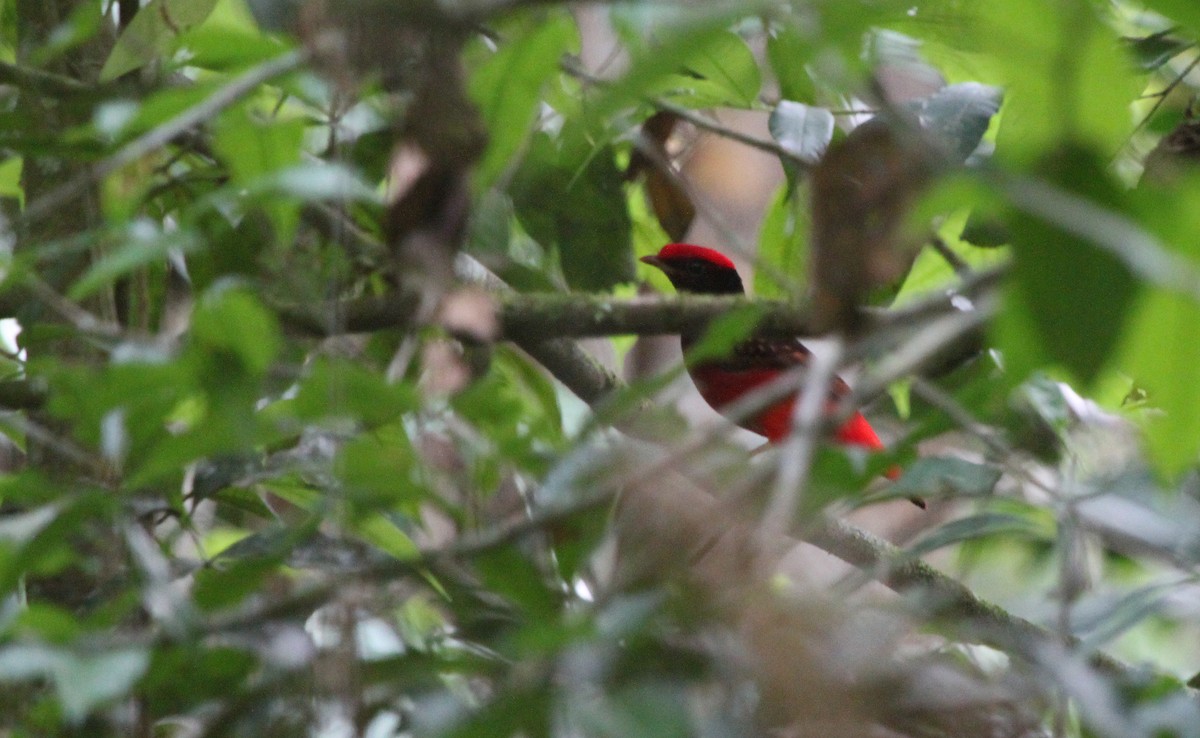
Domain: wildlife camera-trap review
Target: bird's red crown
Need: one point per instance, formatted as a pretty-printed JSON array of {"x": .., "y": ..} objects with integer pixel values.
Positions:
[{"x": 674, "y": 251}]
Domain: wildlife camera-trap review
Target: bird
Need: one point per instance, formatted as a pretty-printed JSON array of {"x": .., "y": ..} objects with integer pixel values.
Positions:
[{"x": 754, "y": 361}]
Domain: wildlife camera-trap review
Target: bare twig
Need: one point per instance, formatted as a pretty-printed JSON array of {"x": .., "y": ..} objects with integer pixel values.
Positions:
[{"x": 797, "y": 452}]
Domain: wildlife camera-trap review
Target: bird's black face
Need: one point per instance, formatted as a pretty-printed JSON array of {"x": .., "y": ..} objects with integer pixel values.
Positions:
[{"x": 693, "y": 274}]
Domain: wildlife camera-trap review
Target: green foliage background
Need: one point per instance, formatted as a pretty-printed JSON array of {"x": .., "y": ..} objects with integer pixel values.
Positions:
[{"x": 256, "y": 484}]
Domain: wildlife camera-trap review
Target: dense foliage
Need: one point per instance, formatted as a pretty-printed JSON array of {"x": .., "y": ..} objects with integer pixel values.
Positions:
[{"x": 300, "y": 437}]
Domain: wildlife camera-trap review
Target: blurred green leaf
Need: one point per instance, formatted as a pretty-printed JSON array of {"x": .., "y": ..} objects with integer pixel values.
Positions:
[
  {"x": 783, "y": 245},
  {"x": 1182, "y": 11},
  {"x": 229, "y": 319},
  {"x": 720, "y": 72},
  {"x": 789, "y": 54},
  {"x": 935, "y": 476},
  {"x": 144, "y": 245},
  {"x": 568, "y": 195},
  {"x": 1075, "y": 292},
  {"x": 153, "y": 33},
  {"x": 508, "y": 86},
  {"x": 341, "y": 389},
  {"x": 1156, "y": 49},
  {"x": 1158, "y": 350},
  {"x": 983, "y": 525}
]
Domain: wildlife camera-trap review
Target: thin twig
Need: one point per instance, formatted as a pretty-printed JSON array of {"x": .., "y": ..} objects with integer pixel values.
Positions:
[
  {"x": 1162, "y": 95},
  {"x": 796, "y": 454}
]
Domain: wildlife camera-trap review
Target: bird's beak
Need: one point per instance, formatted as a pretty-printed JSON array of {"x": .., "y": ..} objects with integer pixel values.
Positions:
[{"x": 654, "y": 261}]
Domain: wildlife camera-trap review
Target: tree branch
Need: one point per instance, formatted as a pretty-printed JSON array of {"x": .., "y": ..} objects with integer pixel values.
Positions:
[{"x": 526, "y": 318}]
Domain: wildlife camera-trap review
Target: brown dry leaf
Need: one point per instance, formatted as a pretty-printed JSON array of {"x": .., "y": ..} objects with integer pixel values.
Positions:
[
  {"x": 672, "y": 205},
  {"x": 1178, "y": 151},
  {"x": 862, "y": 190}
]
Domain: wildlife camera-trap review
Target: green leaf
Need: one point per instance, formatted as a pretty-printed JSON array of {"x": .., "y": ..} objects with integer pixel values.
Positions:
[
  {"x": 233, "y": 321},
  {"x": 253, "y": 148},
  {"x": 568, "y": 195},
  {"x": 336, "y": 388},
  {"x": 1053, "y": 96},
  {"x": 936, "y": 476},
  {"x": 724, "y": 333},
  {"x": 656, "y": 68},
  {"x": 783, "y": 245},
  {"x": 1074, "y": 292},
  {"x": 1159, "y": 351},
  {"x": 381, "y": 470},
  {"x": 1185, "y": 12},
  {"x": 1153, "y": 51},
  {"x": 789, "y": 54},
  {"x": 230, "y": 39},
  {"x": 153, "y": 34},
  {"x": 143, "y": 245},
  {"x": 983, "y": 525},
  {"x": 507, "y": 87},
  {"x": 722, "y": 71}
]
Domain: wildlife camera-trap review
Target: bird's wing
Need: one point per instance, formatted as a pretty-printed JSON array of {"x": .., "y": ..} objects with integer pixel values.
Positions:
[{"x": 764, "y": 354}]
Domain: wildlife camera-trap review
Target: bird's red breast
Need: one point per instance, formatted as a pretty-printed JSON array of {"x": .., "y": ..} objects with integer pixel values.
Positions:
[{"x": 753, "y": 362}]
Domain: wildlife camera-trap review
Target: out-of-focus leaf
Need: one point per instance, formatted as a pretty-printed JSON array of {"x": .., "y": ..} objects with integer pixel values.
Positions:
[
  {"x": 1051, "y": 99},
  {"x": 957, "y": 116},
  {"x": 516, "y": 408},
  {"x": 509, "y": 573},
  {"x": 83, "y": 681},
  {"x": 724, "y": 333},
  {"x": 242, "y": 569},
  {"x": 981, "y": 526},
  {"x": 657, "y": 64},
  {"x": 229, "y": 38},
  {"x": 1075, "y": 292},
  {"x": 802, "y": 129},
  {"x": 569, "y": 196},
  {"x": 253, "y": 148},
  {"x": 343, "y": 389},
  {"x": 1185, "y": 12},
  {"x": 234, "y": 321},
  {"x": 722, "y": 71},
  {"x": 789, "y": 54},
  {"x": 153, "y": 33},
  {"x": 315, "y": 182},
  {"x": 783, "y": 245},
  {"x": 1159, "y": 351},
  {"x": 143, "y": 245},
  {"x": 934, "y": 476},
  {"x": 651, "y": 161},
  {"x": 215, "y": 672},
  {"x": 1153, "y": 51},
  {"x": 1099, "y": 620},
  {"x": 507, "y": 87},
  {"x": 381, "y": 470},
  {"x": 862, "y": 192}
]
